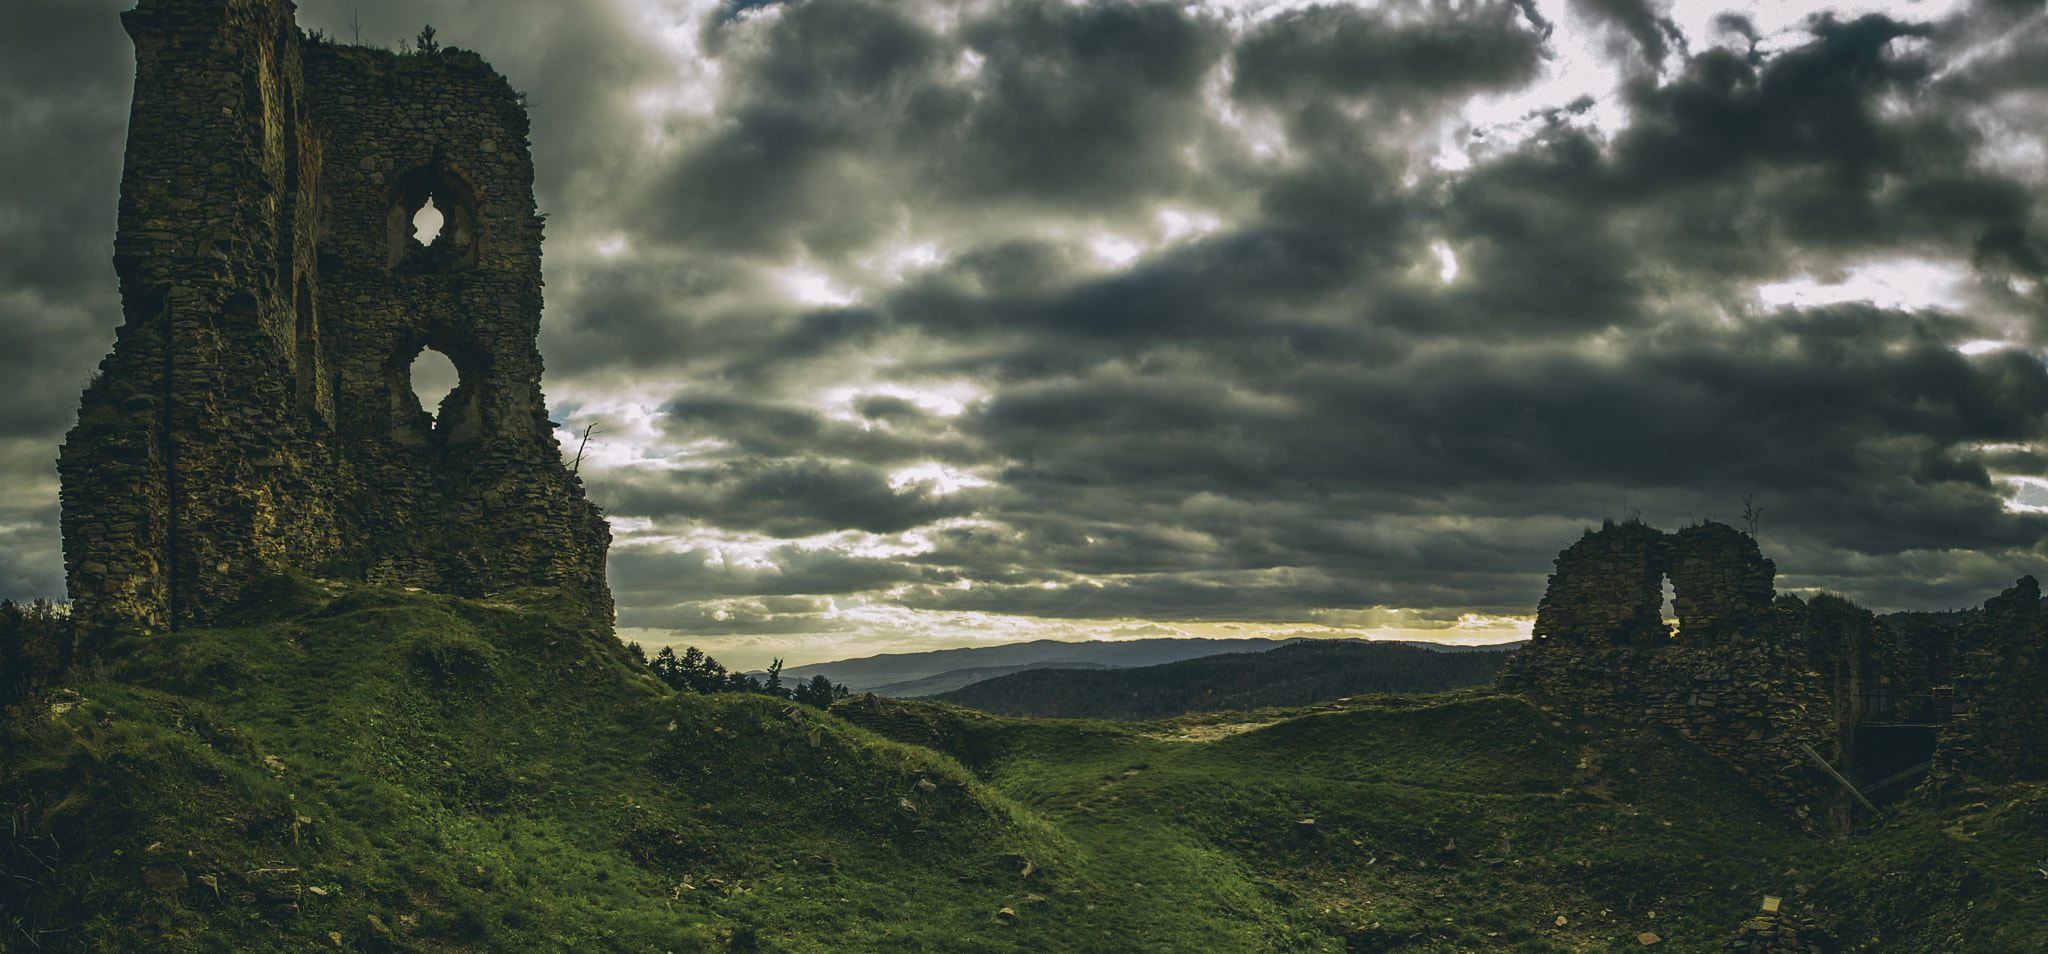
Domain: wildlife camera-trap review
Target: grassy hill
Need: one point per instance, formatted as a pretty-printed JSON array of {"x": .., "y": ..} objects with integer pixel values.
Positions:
[
  {"x": 1299, "y": 674},
  {"x": 360, "y": 769}
]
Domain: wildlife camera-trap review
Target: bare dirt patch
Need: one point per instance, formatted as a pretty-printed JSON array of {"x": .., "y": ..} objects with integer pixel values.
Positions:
[{"x": 1204, "y": 733}]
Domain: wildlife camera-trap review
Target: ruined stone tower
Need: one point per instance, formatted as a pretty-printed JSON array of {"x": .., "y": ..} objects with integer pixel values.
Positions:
[
  {"x": 1804, "y": 697},
  {"x": 257, "y": 411}
]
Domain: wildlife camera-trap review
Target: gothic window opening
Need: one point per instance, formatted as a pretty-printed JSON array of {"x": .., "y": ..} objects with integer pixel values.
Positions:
[
  {"x": 434, "y": 377},
  {"x": 437, "y": 392},
  {"x": 432, "y": 225}
]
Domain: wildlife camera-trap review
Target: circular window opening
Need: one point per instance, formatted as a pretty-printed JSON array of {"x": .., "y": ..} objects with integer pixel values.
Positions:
[{"x": 433, "y": 376}]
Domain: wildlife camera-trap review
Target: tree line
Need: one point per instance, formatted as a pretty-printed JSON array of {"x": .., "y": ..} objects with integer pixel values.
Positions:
[{"x": 694, "y": 671}]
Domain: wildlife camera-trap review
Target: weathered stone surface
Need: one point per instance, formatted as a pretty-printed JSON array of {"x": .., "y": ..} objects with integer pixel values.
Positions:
[
  {"x": 1759, "y": 680},
  {"x": 1608, "y": 588},
  {"x": 257, "y": 412}
]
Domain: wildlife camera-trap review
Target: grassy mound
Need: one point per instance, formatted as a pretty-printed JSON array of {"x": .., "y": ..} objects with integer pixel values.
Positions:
[{"x": 378, "y": 770}]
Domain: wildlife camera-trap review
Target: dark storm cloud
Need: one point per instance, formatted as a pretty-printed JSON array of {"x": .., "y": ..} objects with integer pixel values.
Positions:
[
  {"x": 836, "y": 114},
  {"x": 64, "y": 92},
  {"x": 893, "y": 431},
  {"x": 791, "y": 498},
  {"x": 1352, "y": 52},
  {"x": 1085, "y": 103},
  {"x": 1219, "y": 425}
]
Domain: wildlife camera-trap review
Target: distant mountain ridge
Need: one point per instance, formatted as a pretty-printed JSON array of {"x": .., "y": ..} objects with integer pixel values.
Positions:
[
  {"x": 871, "y": 673},
  {"x": 955, "y": 678},
  {"x": 1304, "y": 673},
  {"x": 927, "y": 673}
]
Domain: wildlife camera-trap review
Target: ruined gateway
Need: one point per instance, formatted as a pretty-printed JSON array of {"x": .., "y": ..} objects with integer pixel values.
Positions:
[
  {"x": 1769, "y": 682},
  {"x": 257, "y": 411}
]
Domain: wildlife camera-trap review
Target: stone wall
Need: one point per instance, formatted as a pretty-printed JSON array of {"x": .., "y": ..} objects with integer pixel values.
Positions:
[
  {"x": 256, "y": 413},
  {"x": 1758, "y": 679},
  {"x": 1751, "y": 705},
  {"x": 2001, "y": 711},
  {"x": 1720, "y": 583},
  {"x": 1608, "y": 589},
  {"x": 1601, "y": 646}
]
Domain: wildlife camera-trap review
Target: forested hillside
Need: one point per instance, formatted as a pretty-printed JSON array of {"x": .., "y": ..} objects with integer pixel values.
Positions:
[{"x": 1299, "y": 674}]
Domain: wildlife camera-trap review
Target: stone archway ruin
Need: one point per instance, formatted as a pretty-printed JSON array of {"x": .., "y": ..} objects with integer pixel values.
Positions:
[
  {"x": 1609, "y": 587},
  {"x": 1773, "y": 684}
]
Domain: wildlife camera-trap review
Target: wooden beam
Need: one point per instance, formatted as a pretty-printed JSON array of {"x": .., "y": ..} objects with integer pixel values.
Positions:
[
  {"x": 1823, "y": 763},
  {"x": 1902, "y": 776}
]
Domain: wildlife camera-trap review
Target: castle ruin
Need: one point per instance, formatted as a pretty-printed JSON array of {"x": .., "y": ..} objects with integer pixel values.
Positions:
[
  {"x": 257, "y": 412},
  {"x": 1776, "y": 685}
]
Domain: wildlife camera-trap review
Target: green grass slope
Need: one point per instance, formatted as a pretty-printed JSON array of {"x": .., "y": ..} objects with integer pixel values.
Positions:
[
  {"x": 1475, "y": 822},
  {"x": 383, "y": 771},
  {"x": 367, "y": 770}
]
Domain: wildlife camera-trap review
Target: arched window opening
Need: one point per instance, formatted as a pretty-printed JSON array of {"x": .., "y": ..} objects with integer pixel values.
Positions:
[
  {"x": 427, "y": 222},
  {"x": 433, "y": 378},
  {"x": 1669, "y": 610}
]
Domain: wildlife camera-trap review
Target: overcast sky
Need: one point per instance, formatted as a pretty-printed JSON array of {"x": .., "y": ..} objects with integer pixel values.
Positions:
[{"x": 913, "y": 324}]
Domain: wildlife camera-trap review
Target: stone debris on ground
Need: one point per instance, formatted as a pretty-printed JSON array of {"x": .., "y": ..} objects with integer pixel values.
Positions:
[{"x": 1780, "y": 934}]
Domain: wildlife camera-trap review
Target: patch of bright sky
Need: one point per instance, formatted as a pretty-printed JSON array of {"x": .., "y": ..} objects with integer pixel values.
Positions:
[
  {"x": 808, "y": 286},
  {"x": 2027, "y": 494},
  {"x": 1576, "y": 66},
  {"x": 895, "y": 262},
  {"x": 1447, "y": 262},
  {"x": 943, "y": 479},
  {"x": 1903, "y": 283},
  {"x": 856, "y": 627},
  {"x": 1177, "y": 224},
  {"x": 1260, "y": 130},
  {"x": 2014, "y": 145},
  {"x": 1577, "y": 62},
  {"x": 746, "y": 550},
  {"x": 1782, "y": 23},
  {"x": 1113, "y": 250},
  {"x": 970, "y": 65},
  {"x": 629, "y": 431},
  {"x": 690, "y": 84},
  {"x": 1982, "y": 346}
]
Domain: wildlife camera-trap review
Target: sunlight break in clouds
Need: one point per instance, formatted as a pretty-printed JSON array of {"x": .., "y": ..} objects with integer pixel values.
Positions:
[{"x": 1903, "y": 283}]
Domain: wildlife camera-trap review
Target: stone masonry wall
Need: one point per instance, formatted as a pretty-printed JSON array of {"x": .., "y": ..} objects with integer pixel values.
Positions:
[
  {"x": 1720, "y": 583},
  {"x": 256, "y": 413},
  {"x": 2000, "y": 728},
  {"x": 1757, "y": 680},
  {"x": 1601, "y": 646},
  {"x": 1608, "y": 589},
  {"x": 1751, "y": 706}
]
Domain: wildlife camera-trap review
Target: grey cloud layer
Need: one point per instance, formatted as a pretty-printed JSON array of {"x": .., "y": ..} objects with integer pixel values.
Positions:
[{"x": 1264, "y": 403}]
